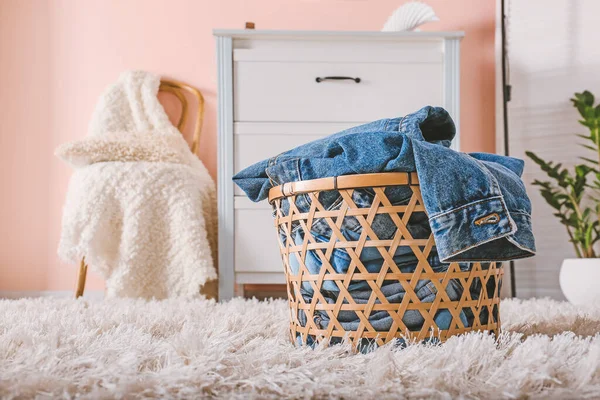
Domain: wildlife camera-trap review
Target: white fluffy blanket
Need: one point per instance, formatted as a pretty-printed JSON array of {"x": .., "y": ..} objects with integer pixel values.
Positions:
[
  {"x": 140, "y": 206},
  {"x": 240, "y": 350}
]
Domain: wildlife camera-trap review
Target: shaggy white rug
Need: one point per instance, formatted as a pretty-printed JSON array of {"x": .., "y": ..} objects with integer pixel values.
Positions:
[{"x": 240, "y": 349}]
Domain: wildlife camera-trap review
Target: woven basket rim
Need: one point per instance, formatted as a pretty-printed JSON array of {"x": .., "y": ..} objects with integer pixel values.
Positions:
[{"x": 355, "y": 181}]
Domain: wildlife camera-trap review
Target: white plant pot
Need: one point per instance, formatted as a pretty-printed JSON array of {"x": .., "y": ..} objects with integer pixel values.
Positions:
[{"x": 580, "y": 280}]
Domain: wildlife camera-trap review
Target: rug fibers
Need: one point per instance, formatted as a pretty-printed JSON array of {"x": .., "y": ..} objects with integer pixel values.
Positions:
[{"x": 130, "y": 349}]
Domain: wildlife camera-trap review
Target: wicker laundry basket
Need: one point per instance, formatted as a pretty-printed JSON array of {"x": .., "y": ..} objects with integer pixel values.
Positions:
[{"x": 481, "y": 304}]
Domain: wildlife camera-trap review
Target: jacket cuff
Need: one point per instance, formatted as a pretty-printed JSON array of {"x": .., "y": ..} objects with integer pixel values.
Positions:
[{"x": 460, "y": 234}]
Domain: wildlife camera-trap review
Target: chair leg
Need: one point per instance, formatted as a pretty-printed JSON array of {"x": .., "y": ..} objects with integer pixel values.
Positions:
[{"x": 81, "y": 275}]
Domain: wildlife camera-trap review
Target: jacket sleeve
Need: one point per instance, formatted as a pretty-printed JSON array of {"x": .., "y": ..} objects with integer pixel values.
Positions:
[{"x": 478, "y": 210}]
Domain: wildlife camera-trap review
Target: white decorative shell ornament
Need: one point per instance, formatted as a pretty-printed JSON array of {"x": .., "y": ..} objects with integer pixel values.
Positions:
[{"x": 409, "y": 16}]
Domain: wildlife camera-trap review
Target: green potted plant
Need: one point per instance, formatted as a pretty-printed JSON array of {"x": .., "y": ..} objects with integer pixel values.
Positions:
[{"x": 574, "y": 195}]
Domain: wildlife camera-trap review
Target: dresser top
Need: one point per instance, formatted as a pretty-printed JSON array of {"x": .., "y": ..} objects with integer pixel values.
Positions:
[{"x": 342, "y": 35}]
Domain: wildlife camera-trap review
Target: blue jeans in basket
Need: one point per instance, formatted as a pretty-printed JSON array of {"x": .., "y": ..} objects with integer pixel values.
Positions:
[
  {"x": 380, "y": 320},
  {"x": 360, "y": 291},
  {"x": 384, "y": 228},
  {"x": 477, "y": 204}
]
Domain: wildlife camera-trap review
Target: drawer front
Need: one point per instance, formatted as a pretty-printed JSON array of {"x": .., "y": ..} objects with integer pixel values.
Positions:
[
  {"x": 288, "y": 91},
  {"x": 255, "y": 241},
  {"x": 250, "y": 149}
]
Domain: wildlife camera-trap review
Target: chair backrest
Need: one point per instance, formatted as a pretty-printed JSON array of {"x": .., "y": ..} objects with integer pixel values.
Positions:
[{"x": 178, "y": 89}]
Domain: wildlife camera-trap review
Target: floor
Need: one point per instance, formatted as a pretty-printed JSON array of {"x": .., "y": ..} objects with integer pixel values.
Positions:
[{"x": 240, "y": 349}]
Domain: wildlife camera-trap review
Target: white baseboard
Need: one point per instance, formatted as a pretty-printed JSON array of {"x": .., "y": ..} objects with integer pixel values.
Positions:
[{"x": 88, "y": 295}]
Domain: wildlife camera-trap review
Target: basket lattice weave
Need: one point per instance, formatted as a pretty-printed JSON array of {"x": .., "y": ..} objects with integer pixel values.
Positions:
[{"x": 488, "y": 276}]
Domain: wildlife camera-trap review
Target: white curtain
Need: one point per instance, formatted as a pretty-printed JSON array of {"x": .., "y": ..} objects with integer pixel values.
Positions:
[{"x": 554, "y": 51}]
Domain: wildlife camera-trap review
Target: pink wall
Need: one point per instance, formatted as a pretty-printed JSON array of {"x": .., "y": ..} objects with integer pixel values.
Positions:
[{"x": 58, "y": 55}]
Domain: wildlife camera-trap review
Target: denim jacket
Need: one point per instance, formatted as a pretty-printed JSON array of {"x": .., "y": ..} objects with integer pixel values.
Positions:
[{"x": 476, "y": 203}]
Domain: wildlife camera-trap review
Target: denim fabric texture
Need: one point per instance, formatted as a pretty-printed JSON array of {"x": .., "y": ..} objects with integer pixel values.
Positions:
[{"x": 476, "y": 203}]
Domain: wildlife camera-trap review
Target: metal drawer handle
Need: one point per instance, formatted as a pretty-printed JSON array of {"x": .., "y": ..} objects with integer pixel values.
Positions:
[{"x": 337, "y": 78}]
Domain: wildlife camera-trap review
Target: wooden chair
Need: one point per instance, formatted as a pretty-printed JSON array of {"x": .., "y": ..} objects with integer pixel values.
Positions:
[{"x": 177, "y": 89}]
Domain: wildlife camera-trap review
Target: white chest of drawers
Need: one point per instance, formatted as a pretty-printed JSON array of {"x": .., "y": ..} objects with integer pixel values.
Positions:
[{"x": 269, "y": 101}]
